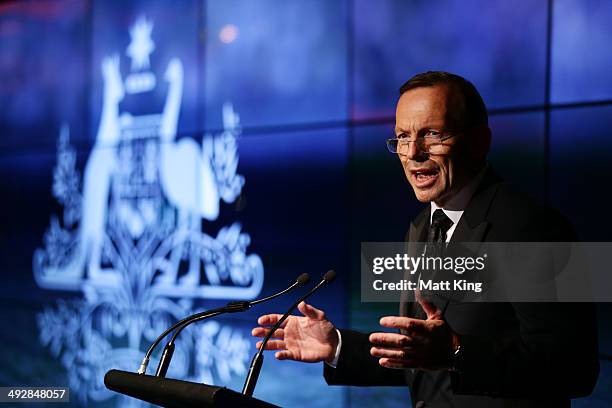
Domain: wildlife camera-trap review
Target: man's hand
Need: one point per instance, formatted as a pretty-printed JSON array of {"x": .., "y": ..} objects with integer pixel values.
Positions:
[
  {"x": 311, "y": 338},
  {"x": 427, "y": 344}
]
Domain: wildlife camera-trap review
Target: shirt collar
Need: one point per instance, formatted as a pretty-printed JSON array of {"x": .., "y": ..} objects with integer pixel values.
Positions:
[{"x": 454, "y": 215}]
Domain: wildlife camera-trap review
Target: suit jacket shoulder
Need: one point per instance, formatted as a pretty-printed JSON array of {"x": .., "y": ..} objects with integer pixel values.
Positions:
[{"x": 511, "y": 216}]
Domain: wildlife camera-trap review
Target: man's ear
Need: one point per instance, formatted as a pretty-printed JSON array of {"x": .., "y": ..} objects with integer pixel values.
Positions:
[{"x": 480, "y": 141}]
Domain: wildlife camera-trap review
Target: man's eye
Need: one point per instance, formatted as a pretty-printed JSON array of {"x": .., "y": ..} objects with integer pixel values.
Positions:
[
  {"x": 433, "y": 133},
  {"x": 402, "y": 136}
]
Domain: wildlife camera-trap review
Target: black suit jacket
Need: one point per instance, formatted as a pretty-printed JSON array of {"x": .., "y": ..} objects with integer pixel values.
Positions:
[{"x": 514, "y": 354}]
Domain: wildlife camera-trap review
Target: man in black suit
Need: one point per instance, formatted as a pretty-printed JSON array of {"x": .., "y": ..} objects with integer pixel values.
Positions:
[{"x": 458, "y": 354}]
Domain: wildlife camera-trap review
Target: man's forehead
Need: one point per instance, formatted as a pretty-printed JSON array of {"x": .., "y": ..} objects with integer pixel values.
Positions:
[
  {"x": 411, "y": 117},
  {"x": 425, "y": 106}
]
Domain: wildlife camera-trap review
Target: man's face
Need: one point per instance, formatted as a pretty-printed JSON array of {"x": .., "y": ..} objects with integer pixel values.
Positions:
[{"x": 434, "y": 177}]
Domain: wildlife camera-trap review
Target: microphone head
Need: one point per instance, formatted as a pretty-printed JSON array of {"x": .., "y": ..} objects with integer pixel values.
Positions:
[
  {"x": 329, "y": 276},
  {"x": 303, "y": 279}
]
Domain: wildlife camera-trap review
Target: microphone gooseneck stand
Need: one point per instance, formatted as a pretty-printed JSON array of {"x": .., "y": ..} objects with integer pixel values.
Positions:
[{"x": 232, "y": 307}]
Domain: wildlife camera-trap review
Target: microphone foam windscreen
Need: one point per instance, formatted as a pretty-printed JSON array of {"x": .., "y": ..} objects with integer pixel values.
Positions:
[
  {"x": 330, "y": 276},
  {"x": 303, "y": 279}
]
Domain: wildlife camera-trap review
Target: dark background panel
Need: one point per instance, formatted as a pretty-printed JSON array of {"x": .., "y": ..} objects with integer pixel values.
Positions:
[
  {"x": 581, "y": 53},
  {"x": 26, "y": 212},
  {"x": 295, "y": 192},
  {"x": 23, "y": 360},
  {"x": 518, "y": 151},
  {"x": 398, "y": 39},
  {"x": 44, "y": 70},
  {"x": 580, "y": 167},
  {"x": 294, "y": 202},
  {"x": 382, "y": 201},
  {"x": 280, "y": 63}
]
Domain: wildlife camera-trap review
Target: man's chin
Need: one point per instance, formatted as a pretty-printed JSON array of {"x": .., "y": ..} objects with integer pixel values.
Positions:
[{"x": 426, "y": 196}]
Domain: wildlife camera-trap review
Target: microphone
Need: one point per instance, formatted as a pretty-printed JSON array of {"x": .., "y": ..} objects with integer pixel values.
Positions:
[
  {"x": 231, "y": 307},
  {"x": 257, "y": 362}
]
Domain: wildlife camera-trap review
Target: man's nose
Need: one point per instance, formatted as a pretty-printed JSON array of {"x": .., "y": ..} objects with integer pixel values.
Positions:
[{"x": 414, "y": 152}]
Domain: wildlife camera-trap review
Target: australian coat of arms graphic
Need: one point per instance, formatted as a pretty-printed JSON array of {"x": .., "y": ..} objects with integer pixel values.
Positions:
[{"x": 130, "y": 242}]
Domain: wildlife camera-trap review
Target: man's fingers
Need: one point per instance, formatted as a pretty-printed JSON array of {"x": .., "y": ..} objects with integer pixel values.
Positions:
[
  {"x": 405, "y": 323},
  {"x": 263, "y": 332},
  {"x": 270, "y": 319},
  {"x": 284, "y": 355},
  {"x": 397, "y": 364},
  {"x": 311, "y": 311},
  {"x": 393, "y": 353},
  {"x": 391, "y": 340},
  {"x": 258, "y": 332},
  {"x": 273, "y": 345}
]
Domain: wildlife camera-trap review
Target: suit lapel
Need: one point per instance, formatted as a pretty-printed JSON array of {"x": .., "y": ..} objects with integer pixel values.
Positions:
[
  {"x": 473, "y": 224},
  {"x": 469, "y": 233},
  {"x": 418, "y": 228}
]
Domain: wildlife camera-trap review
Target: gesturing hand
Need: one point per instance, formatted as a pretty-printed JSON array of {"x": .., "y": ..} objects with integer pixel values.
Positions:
[
  {"x": 310, "y": 338},
  {"x": 427, "y": 344}
]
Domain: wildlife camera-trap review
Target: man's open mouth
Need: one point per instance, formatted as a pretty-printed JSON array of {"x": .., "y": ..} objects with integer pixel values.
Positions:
[{"x": 424, "y": 177}]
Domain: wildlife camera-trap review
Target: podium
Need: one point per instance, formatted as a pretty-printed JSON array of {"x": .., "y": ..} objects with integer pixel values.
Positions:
[{"x": 176, "y": 393}]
